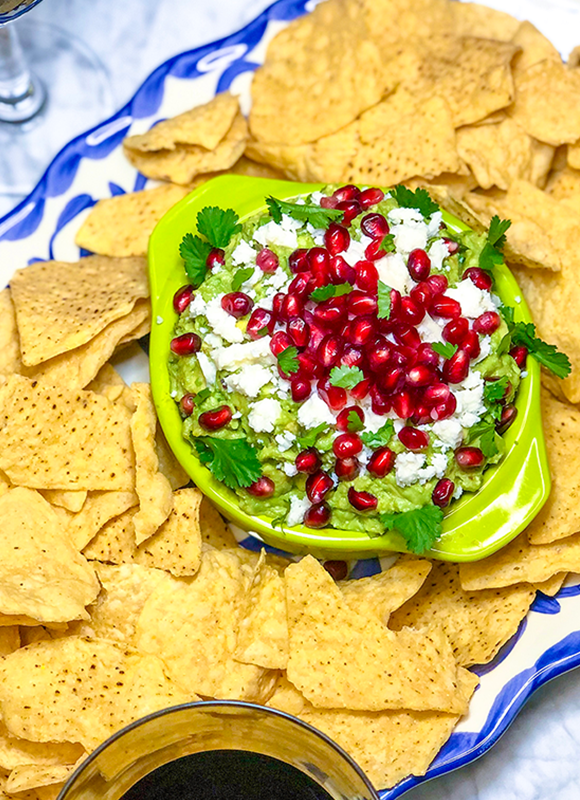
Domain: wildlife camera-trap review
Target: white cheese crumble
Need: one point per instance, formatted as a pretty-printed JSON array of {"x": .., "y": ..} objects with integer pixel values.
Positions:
[
  {"x": 484, "y": 349},
  {"x": 429, "y": 330},
  {"x": 222, "y": 323},
  {"x": 393, "y": 271},
  {"x": 197, "y": 306},
  {"x": 290, "y": 470},
  {"x": 283, "y": 234},
  {"x": 314, "y": 412},
  {"x": 244, "y": 254},
  {"x": 407, "y": 465},
  {"x": 316, "y": 233},
  {"x": 469, "y": 396},
  {"x": 242, "y": 355},
  {"x": 159, "y": 320},
  {"x": 434, "y": 225},
  {"x": 408, "y": 228},
  {"x": 437, "y": 252},
  {"x": 250, "y": 380},
  {"x": 473, "y": 301},
  {"x": 298, "y": 507},
  {"x": 277, "y": 280},
  {"x": 448, "y": 433},
  {"x": 207, "y": 367},
  {"x": 264, "y": 415},
  {"x": 285, "y": 440},
  {"x": 373, "y": 422},
  {"x": 356, "y": 250},
  {"x": 213, "y": 340}
]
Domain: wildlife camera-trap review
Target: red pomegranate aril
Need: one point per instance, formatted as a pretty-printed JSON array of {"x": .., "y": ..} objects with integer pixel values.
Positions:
[
  {"x": 519, "y": 353},
  {"x": 186, "y": 344},
  {"x": 317, "y": 516},
  {"x": 297, "y": 261},
  {"x": 336, "y": 238},
  {"x": 216, "y": 418},
  {"x": 421, "y": 415},
  {"x": 359, "y": 303},
  {"x": 309, "y": 366},
  {"x": 420, "y": 375},
  {"x": 381, "y": 462},
  {"x": 469, "y": 457},
  {"x": 373, "y": 251},
  {"x": 403, "y": 356},
  {"x": 328, "y": 202},
  {"x": 333, "y": 396},
  {"x": 300, "y": 389},
  {"x": 426, "y": 355},
  {"x": 298, "y": 330},
  {"x": 216, "y": 258},
  {"x": 347, "y": 192},
  {"x": 350, "y": 209},
  {"x": 342, "y": 421},
  {"x": 413, "y": 438},
  {"x": 375, "y": 226},
  {"x": 237, "y": 304},
  {"x": 422, "y": 294},
  {"x": 436, "y": 394},
  {"x": 340, "y": 271},
  {"x": 292, "y": 306},
  {"x": 267, "y": 260},
  {"x": 452, "y": 247},
  {"x": 379, "y": 353},
  {"x": 419, "y": 265},
  {"x": 508, "y": 415},
  {"x": 279, "y": 342},
  {"x": 318, "y": 485},
  {"x": 318, "y": 259},
  {"x": 487, "y": 323},
  {"x": 362, "y": 501},
  {"x": 261, "y": 322},
  {"x": 395, "y": 305},
  {"x": 392, "y": 379},
  {"x": 403, "y": 405},
  {"x": 182, "y": 298},
  {"x": 352, "y": 356},
  {"x": 301, "y": 285},
  {"x": 471, "y": 344},
  {"x": 370, "y": 197},
  {"x": 338, "y": 570},
  {"x": 380, "y": 403},
  {"x": 308, "y": 461},
  {"x": 277, "y": 301},
  {"x": 362, "y": 330},
  {"x": 361, "y": 390},
  {"x": 445, "y": 409},
  {"x": 263, "y": 487},
  {"x": 186, "y": 404},
  {"x": 479, "y": 277},
  {"x": 447, "y": 307},
  {"x": 331, "y": 313},
  {"x": 329, "y": 351},
  {"x": 456, "y": 368},
  {"x": 367, "y": 277},
  {"x": 443, "y": 492},
  {"x": 456, "y": 330},
  {"x": 411, "y": 312},
  {"x": 437, "y": 283},
  {"x": 347, "y": 469},
  {"x": 347, "y": 444},
  {"x": 407, "y": 336}
]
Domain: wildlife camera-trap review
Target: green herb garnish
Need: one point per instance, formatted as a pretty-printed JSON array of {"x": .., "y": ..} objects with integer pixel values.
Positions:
[
  {"x": 388, "y": 244},
  {"x": 194, "y": 252},
  {"x": 232, "y": 461},
  {"x": 288, "y": 360},
  {"x": 241, "y": 276},
  {"x": 384, "y": 300},
  {"x": 419, "y": 199},
  {"x": 494, "y": 391},
  {"x": 485, "y": 433},
  {"x": 354, "y": 422},
  {"x": 524, "y": 333},
  {"x": 218, "y": 225},
  {"x": 346, "y": 377},
  {"x": 322, "y": 293},
  {"x": 420, "y": 528},
  {"x": 379, "y": 438},
  {"x": 201, "y": 396},
  {"x": 318, "y": 217},
  {"x": 444, "y": 349},
  {"x": 491, "y": 255},
  {"x": 309, "y": 439}
]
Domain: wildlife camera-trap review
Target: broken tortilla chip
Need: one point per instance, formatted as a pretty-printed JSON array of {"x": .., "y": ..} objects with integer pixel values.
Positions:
[
  {"x": 10, "y": 361},
  {"x": 99, "y": 508}
]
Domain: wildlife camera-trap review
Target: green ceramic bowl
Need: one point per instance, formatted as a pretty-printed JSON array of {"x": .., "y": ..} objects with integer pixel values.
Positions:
[{"x": 475, "y": 526}]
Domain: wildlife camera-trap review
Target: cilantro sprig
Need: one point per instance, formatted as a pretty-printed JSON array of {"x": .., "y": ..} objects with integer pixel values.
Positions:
[
  {"x": 484, "y": 434},
  {"x": 354, "y": 423},
  {"x": 420, "y": 528},
  {"x": 317, "y": 216},
  {"x": 232, "y": 461},
  {"x": 288, "y": 360},
  {"x": 217, "y": 226},
  {"x": 309, "y": 439},
  {"x": 379, "y": 438},
  {"x": 388, "y": 244},
  {"x": 194, "y": 252},
  {"x": 524, "y": 333},
  {"x": 419, "y": 199},
  {"x": 240, "y": 277},
  {"x": 346, "y": 377},
  {"x": 494, "y": 391},
  {"x": 201, "y": 396},
  {"x": 491, "y": 255},
  {"x": 384, "y": 300},
  {"x": 444, "y": 349},
  {"x": 322, "y": 293}
]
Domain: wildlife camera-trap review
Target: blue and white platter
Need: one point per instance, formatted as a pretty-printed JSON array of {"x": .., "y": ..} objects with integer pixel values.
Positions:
[{"x": 92, "y": 166}]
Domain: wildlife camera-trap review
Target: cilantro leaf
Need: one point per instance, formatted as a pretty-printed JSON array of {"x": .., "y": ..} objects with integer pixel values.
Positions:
[
  {"x": 241, "y": 276},
  {"x": 309, "y": 439},
  {"x": 218, "y": 225},
  {"x": 505, "y": 345},
  {"x": 322, "y": 293},
  {"x": 388, "y": 243},
  {"x": 379, "y": 438},
  {"x": 232, "y": 461},
  {"x": 288, "y": 360},
  {"x": 346, "y": 377},
  {"x": 507, "y": 313},
  {"x": 201, "y": 396},
  {"x": 194, "y": 251},
  {"x": 494, "y": 391},
  {"x": 548, "y": 355},
  {"x": 420, "y": 528},
  {"x": 384, "y": 300},
  {"x": 317, "y": 216},
  {"x": 484, "y": 431},
  {"x": 419, "y": 199},
  {"x": 491, "y": 255},
  {"x": 354, "y": 422},
  {"x": 444, "y": 349}
]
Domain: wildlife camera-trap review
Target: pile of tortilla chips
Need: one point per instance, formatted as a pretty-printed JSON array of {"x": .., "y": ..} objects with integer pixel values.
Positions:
[{"x": 122, "y": 591}]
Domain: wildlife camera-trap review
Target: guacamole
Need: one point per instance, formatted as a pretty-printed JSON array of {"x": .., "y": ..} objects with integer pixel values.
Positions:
[{"x": 342, "y": 357}]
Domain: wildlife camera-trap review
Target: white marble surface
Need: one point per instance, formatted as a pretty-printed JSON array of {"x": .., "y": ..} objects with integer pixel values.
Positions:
[{"x": 539, "y": 757}]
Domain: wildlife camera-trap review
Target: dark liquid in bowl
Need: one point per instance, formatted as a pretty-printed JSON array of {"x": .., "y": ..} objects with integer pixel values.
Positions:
[{"x": 226, "y": 775}]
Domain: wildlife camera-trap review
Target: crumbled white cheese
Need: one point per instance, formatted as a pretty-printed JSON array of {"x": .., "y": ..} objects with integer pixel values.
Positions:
[
  {"x": 207, "y": 367},
  {"x": 407, "y": 466},
  {"x": 241, "y": 355},
  {"x": 283, "y": 235},
  {"x": 473, "y": 300},
  {"x": 298, "y": 507},
  {"x": 285, "y": 440},
  {"x": 434, "y": 224},
  {"x": 316, "y": 197},
  {"x": 373, "y": 422},
  {"x": 197, "y": 306},
  {"x": 264, "y": 415},
  {"x": 429, "y": 330},
  {"x": 159, "y": 320},
  {"x": 244, "y": 254},
  {"x": 484, "y": 349},
  {"x": 439, "y": 464},
  {"x": 213, "y": 340},
  {"x": 469, "y": 396},
  {"x": 278, "y": 280},
  {"x": 222, "y": 323},
  {"x": 448, "y": 433},
  {"x": 393, "y": 271},
  {"x": 314, "y": 412},
  {"x": 437, "y": 252},
  {"x": 365, "y": 455},
  {"x": 290, "y": 470},
  {"x": 356, "y": 250},
  {"x": 250, "y": 282},
  {"x": 408, "y": 228},
  {"x": 405, "y": 216},
  {"x": 316, "y": 233},
  {"x": 250, "y": 380},
  {"x": 518, "y": 299},
  {"x": 458, "y": 492}
]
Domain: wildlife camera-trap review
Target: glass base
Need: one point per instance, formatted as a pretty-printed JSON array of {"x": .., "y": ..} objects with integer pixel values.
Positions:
[
  {"x": 24, "y": 108},
  {"x": 78, "y": 96}
]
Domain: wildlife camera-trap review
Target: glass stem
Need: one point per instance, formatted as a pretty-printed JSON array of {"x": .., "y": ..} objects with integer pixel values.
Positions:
[{"x": 21, "y": 94}]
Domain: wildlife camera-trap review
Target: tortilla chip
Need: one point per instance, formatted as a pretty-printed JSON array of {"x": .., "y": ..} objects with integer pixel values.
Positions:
[
  {"x": 521, "y": 561},
  {"x": 71, "y": 303},
  {"x": 17, "y": 752},
  {"x": 10, "y": 361},
  {"x": 263, "y": 627},
  {"x": 168, "y": 464},
  {"x": 390, "y": 21},
  {"x": 30, "y": 776},
  {"x": 192, "y": 624},
  {"x": 186, "y": 161},
  {"x": 41, "y": 574},
  {"x": 69, "y": 500},
  {"x": 565, "y": 186},
  {"x": 326, "y": 636},
  {"x": 54, "y": 438},
  {"x": 574, "y": 155},
  {"x": 115, "y": 542},
  {"x": 287, "y": 698},
  {"x": 9, "y": 640},
  {"x": 214, "y": 530},
  {"x": 99, "y": 508},
  {"x": 381, "y": 594},
  {"x": 535, "y": 48},
  {"x": 472, "y": 19},
  {"x": 81, "y": 690},
  {"x": 121, "y": 225},
  {"x": 153, "y": 488},
  {"x": 553, "y": 585}
]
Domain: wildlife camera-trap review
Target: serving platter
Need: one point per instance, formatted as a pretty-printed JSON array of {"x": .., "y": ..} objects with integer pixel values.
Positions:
[{"x": 92, "y": 166}]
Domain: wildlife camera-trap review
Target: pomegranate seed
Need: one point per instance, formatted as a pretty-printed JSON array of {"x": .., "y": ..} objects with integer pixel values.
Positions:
[
  {"x": 411, "y": 312},
  {"x": 300, "y": 389},
  {"x": 362, "y": 330},
  {"x": 407, "y": 336},
  {"x": 263, "y": 487},
  {"x": 455, "y": 369},
  {"x": 443, "y": 492},
  {"x": 437, "y": 283},
  {"x": 361, "y": 390},
  {"x": 469, "y": 457},
  {"x": 421, "y": 415},
  {"x": 422, "y": 294},
  {"x": 373, "y": 251},
  {"x": 395, "y": 304},
  {"x": 379, "y": 353},
  {"x": 392, "y": 379},
  {"x": 317, "y": 516},
  {"x": 298, "y": 330},
  {"x": 380, "y": 403},
  {"x": 452, "y": 247},
  {"x": 292, "y": 306},
  {"x": 347, "y": 469},
  {"x": 331, "y": 313},
  {"x": 333, "y": 396},
  {"x": 350, "y": 209},
  {"x": 318, "y": 260},
  {"x": 348, "y": 192},
  {"x": 277, "y": 301},
  {"x": 347, "y": 444},
  {"x": 381, "y": 462},
  {"x": 308, "y": 461},
  {"x": 186, "y": 404},
  {"x": 456, "y": 330},
  {"x": 420, "y": 375},
  {"x": 318, "y": 485},
  {"x": 216, "y": 418},
  {"x": 216, "y": 258},
  {"x": 419, "y": 265},
  {"x": 480, "y": 278},
  {"x": 471, "y": 344},
  {"x": 342, "y": 419},
  {"x": 426, "y": 355},
  {"x": 338, "y": 570},
  {"x": 336, "y": 238},
  {"x": 367, "y": 277},
  {"x": 328, "y": 202},
  {"x": 362, "y": 501},
  {"x": 435, "y": 394},
  {"x": 238, "y": 304},
  {"x": 508, "y": 415},
  {"x": 261, "y": 322},
  {"x": 375, "y": 226},
  {"x": 352, "y": 356},
  {"x": 445, "y": 409},
  {"x": 446, "y": 307},
  {"x": 403, "y": 405},
  {"x": 413, "y": 438},
  {"x": 301, "y": 285},
  {"x": 267, "y": 260},
  {"x": 329, "y": 351},
  {"x": 340, "y": 271},
  {"x": 298, "y": 261},
  {"x": 370, "y": 197},
  {"x": 487, "y": 323},
  {"x": 182, "y": 298},
  {"x": 186, "y": 344},
  {"x": 519, "y": 353},
  {"x": 360, "y": 303},
  {"x": 403, "y": 356},
  {"x": 309, "y": 367},
  {"x": 317, "y": 334},
  {"x": 279, "y": 342}
]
